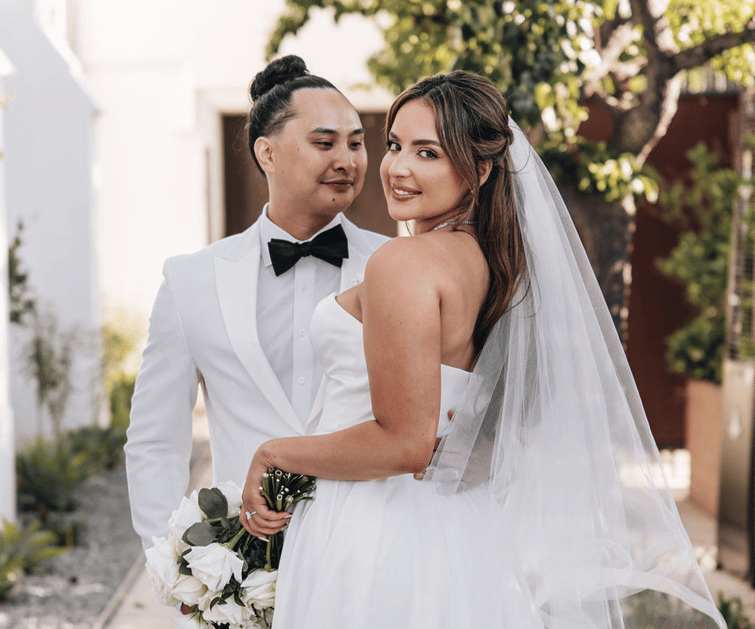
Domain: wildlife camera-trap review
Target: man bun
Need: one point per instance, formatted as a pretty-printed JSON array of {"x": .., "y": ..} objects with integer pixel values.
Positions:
[
  {"x": 272, "y": 91},
  {"x": 277, "y": 72}
]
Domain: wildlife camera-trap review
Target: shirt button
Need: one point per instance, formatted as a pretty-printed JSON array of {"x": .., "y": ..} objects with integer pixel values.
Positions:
[
  {"x": 303, "y": 287},
  {"x": 302, "y": 331},
  {"x": 302, "y": 379}
]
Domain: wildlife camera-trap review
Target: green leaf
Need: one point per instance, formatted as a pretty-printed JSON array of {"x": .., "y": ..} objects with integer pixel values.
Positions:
[
  {"x": 183, "y": 568},
  {"x": 213, "y": 502},
  {"x": 199, "y": 534}
]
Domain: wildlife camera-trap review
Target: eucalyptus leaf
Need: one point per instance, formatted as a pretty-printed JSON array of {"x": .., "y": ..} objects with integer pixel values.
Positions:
[
  {"x": 213, "y": 502},
  {"x": 199, "y": 534}
]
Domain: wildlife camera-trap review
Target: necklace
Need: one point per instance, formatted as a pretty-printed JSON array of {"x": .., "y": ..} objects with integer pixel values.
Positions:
[{"x": 453, "y": 223}]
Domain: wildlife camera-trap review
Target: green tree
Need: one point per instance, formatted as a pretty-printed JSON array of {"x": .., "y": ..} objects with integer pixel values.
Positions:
[
  {"x": 548, "y": 57},
  {"x": 701, "y": 261}
]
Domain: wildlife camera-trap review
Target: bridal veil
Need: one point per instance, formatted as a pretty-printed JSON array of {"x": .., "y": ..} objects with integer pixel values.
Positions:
[{"x": 552, "y": 424}]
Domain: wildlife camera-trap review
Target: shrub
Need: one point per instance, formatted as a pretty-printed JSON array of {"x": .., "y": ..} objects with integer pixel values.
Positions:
[
  {"x": 21, "y": 550},
  {"x": 68, "y": 529},
  {"x": 650, "y": 609},
  {"x": 101, "y": 447},
  {"x": 701, "y": 261},
  {"x": 733, "y": 612},
  {"x": 48, "y": 474},
  {"x": 119, "y": 383},
  {"x": 121, "y": 392}
]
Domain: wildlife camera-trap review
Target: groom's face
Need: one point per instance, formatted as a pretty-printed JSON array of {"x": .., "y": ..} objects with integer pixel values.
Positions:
[{"x": 319, "y": 157}]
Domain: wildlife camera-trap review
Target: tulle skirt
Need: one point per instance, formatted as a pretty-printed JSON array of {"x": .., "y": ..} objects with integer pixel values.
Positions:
[{"x": 395, "y": 553}]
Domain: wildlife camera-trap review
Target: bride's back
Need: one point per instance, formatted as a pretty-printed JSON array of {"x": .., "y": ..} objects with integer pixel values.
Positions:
[
  {"x": 448, "y": 267},
  {"x": 463, "y": 279}
]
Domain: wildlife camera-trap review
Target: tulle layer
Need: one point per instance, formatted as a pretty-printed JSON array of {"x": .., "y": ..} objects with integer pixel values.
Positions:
[
  {"x": 396, "y": 553},
  {"x": 554, "y": 429}
]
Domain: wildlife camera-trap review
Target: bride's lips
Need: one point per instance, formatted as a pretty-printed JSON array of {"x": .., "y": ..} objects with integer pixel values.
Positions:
[{"x": 402, "y": 193}]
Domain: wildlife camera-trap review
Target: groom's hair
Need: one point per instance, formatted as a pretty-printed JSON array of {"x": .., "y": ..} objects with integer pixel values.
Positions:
[{"x": 271, "y": 92}]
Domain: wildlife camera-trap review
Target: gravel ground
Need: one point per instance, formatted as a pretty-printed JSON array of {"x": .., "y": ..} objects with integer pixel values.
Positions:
[{"x": 77, "y": 587}]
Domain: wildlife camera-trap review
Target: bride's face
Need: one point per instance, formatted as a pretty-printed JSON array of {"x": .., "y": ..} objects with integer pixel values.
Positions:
[{"x": 419, "y": 180}]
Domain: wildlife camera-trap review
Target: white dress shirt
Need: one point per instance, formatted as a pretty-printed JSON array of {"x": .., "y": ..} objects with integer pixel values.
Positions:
[{"x": 284, "y": 310}]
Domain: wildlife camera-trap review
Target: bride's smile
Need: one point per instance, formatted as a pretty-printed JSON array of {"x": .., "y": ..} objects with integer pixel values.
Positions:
[{"x": 419, "y": 179}]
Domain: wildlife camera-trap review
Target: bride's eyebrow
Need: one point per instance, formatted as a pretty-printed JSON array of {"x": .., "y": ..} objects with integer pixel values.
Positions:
[{"x": 418, "y": 142}]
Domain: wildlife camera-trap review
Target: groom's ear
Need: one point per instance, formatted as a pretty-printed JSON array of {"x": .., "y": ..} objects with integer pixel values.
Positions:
[{"x": 263, "y": 151}]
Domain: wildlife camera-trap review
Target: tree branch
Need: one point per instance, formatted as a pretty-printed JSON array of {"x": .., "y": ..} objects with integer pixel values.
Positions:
[
  {"x": 659, "y": 40},
  {"x": 625, "y": 71},
  {"x": 701, "y": 53},
  {"x": 612, "y": 104},
  {"x": 620, "y": 38},
  {"x": 607, "y": 29}
]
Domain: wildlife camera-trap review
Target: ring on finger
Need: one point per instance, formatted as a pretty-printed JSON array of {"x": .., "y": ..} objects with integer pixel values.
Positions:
[{"x": 249, "y": 514}]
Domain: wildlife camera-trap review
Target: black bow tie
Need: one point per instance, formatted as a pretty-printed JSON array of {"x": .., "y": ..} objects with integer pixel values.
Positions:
[{"x": 330, "y": 245}]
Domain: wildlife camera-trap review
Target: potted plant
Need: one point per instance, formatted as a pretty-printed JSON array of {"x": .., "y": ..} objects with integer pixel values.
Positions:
[{"x": 700, "y": 261}]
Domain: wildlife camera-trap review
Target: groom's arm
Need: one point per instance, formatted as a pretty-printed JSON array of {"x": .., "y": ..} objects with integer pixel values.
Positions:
[{"x": 158, "y": 449}]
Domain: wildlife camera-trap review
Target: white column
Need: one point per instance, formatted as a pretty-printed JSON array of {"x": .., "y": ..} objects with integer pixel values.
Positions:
[{"x": 7, "y": 450}]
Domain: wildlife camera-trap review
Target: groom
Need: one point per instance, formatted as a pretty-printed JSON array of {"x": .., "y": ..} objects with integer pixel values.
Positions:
[{"x": 234, "y": 316}]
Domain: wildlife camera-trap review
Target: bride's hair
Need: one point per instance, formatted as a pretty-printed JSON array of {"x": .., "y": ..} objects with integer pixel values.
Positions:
[
  {"x": 271, "y": 92},
  {"x": 472, "y": 122}
]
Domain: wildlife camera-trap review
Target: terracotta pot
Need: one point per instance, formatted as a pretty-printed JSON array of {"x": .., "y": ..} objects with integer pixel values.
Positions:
[{"x": 703, "y": 439}]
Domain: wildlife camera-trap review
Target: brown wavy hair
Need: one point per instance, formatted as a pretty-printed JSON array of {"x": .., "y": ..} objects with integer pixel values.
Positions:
[{"x": 472, "y": 123}]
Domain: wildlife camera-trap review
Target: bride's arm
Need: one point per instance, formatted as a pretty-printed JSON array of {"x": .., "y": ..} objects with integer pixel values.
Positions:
[{"x": 402, "y": 332}]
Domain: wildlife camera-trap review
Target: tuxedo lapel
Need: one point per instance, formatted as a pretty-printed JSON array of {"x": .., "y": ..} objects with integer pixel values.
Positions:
[{"x": 236, "y": 281}]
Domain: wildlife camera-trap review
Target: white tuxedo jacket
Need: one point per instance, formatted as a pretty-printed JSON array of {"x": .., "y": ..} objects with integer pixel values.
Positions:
[{"x": 203, "y": 330}]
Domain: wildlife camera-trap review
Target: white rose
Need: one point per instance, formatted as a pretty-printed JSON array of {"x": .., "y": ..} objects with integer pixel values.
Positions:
[
  {"x": 206, "y": 599},
  {"x": 188, "y": 589},
  {"x": 258, "y": 589},
  {"x": 227, "y": 611},
  {"x": 162, "y": 568},
  {"x": 177, "y": 543},
  {"x": 214, "y": 565},
  {"x": 188, "y": 513},
  {"x": 232, "y": 492}
]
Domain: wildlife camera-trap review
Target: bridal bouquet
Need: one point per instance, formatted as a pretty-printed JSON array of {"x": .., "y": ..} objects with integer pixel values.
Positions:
[{"x": 210, "y": 561}]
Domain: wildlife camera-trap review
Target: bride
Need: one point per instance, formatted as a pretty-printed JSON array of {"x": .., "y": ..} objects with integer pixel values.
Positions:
[{"x": 537, "y": 507}]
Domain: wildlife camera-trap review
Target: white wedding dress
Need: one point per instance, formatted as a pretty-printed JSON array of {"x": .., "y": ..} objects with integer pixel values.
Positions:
[{"x": 392, "y": 553}]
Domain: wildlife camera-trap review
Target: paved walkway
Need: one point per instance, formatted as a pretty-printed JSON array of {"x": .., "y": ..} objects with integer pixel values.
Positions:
[{"x": 134, "y": 606}]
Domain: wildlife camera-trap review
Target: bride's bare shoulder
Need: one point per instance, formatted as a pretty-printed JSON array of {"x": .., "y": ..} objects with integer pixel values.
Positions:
[
  {"x": 407, "y": 256},
  {"x": 404, "y": 276}
]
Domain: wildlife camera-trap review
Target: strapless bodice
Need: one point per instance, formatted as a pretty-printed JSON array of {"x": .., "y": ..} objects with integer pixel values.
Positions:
[{"x": 338, "y": 343}]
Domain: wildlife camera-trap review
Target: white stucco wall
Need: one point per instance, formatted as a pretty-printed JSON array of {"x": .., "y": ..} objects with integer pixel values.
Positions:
[
  {"x": 7, "y": 467},
  {"x": 48, "y": 184},
  {"x": 163, "y": 72}
]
